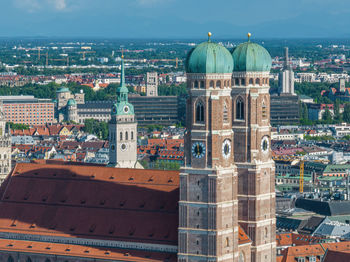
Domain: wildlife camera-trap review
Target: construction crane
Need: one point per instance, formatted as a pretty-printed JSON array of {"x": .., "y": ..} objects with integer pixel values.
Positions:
[
  {"x": 86, "y": 52},
  {"x": 301, "y": 167},
  {"x": 62, "y": 59}
]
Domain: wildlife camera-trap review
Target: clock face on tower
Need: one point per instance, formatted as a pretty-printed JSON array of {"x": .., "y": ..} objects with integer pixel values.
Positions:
[
  {"x": 198, "y": 149},
  {"x": 226, "y": 148},
  {"x": 126, "y": 109},
  {"x": 123, "y": 147},
  {"x": 265, "y": 144}
]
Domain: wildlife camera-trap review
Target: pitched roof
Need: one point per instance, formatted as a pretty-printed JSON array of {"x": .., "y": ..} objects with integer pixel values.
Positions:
[
  {"x": 334, "y": 256},
  {"x": 91, "y": 202},
  {"x": 79, "y": 251}
]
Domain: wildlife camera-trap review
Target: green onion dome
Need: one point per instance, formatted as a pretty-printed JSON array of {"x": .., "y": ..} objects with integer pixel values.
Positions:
[
  {"x": 209, "y": 57},
  {"x": 251, "y": 57}
]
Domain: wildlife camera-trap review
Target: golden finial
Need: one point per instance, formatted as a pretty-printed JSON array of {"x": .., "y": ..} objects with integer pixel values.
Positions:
[
  {"x": 249, "y": 35},
  {"x": 209, "y": 35},
  {"x": 122, "y": 53}
]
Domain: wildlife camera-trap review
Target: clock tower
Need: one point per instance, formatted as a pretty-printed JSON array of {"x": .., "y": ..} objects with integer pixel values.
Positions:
[
  {"x": 252, "y": 154},
  {"x": 123, "y": 130},
  {"x": 208, "y": 206}
]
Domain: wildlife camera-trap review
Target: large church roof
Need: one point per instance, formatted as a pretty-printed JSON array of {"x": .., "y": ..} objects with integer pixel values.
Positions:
[{"x": 95, "y": 202}]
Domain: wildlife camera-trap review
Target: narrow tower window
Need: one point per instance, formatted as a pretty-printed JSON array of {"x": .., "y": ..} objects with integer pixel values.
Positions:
[
  {"x": 264, "y": 111},
  {"x": 121, "y": 136},
  {"x": 199, "y": 112},
  {"x": 251, "y": 81},
  {"x": 126, "y": 136},
  {"x": 237, "y": 81},
  {"x": 132, "y": 135},
  {"x": 257, "y": 81},
  {"x": 202, "y": 84},
  {"x": 218, "y": 84},
  {"x": 240, "y": 109},
  {"x": 225, "y": 113},
  {"x": 211, "y": 84},
  {"x": 196, "y": 84}
]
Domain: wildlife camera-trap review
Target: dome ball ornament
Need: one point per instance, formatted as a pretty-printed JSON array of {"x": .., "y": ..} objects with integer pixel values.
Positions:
[
  {"x": 249, "y": 35},
  {"x": 209, "y": 35}
]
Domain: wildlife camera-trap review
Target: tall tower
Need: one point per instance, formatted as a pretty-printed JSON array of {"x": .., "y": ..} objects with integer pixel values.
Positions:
[
  {"x": 5, "y": 148},
  {"x": 286, "y": 77},
  {"x": 208, "y": 206},
  {"x": 252, "y": 154},
  {"x": 152, "y": 84},
  {"x": 72, "y": 110},
  {"x": 123, "y": 130}
]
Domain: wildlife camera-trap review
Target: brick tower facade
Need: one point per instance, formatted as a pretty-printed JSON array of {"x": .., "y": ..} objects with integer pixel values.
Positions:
[
  {"x": 252, "y": 154},
  {"x": 208, "y": 207}
]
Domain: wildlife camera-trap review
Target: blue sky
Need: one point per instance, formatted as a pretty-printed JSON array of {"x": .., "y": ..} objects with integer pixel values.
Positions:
[{"x": 175, "y": 18}]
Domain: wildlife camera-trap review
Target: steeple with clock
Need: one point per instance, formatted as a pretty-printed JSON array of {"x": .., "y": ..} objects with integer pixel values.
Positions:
[
  {"x": 123, "y": 129},
  {"x": 208, "y": 206},
  {"x": 252, "y": 154}
]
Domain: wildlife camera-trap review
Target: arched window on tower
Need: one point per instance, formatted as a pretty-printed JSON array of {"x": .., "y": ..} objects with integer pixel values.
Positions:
[
  {"x": 264, "y": 109},
  {"x": 225, "y": 113},
  {"x": 196, "y": 84},
  {"x": 241, "y": 257},
  {"x": 218, "y": 84},
  {"x": 121, "y": 136},
  {"x": 126, "y": 135},
  {"x": 257, "y": 81},
  {"x": 239, "y": 109},
  {"x": 211, "y": 84},
  {"x": 132, "y": 135},
  {"x": 237, "y": 81},
  {"x": 251, "y": 81},
  {"x": 199, "y": 112},
  {"x": 201, "y": 84}
]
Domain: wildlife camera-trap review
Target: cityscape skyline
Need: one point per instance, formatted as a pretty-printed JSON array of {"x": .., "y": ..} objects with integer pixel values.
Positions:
[{"x": 169, "y": 18}]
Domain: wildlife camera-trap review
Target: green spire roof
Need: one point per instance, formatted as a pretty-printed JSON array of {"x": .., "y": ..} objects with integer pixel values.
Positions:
[
  {"x": 209, "y": 57},
  {"x": 251, "y": 57},
  {"x": 122, "y": 106},
  {"x": 71, "y": 102}
]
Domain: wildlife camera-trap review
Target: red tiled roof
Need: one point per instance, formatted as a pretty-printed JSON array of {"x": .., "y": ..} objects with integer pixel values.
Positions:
[
  {"x": 79, "y": 251},
  {"x": 290, "y": 254},
  {"x": 334, "y": 256},
  {"x": 91, "y": 202}
]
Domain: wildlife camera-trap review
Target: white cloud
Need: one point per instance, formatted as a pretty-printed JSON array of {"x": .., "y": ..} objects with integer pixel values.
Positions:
[
  {"x": 36, "y": 5},
  {"x": 59, "y": 4}
]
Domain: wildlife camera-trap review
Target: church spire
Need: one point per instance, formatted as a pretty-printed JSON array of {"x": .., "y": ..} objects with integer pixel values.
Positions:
[
  {"x": 122, "y": 91},
  {"x": 122, "y": 74}
]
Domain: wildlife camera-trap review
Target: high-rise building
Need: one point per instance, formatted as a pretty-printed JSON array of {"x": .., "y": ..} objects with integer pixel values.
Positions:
[
  {"x": 152, "y": 84},
  {"x": 5, "y": 149},
  {"x": 123, "y": 130},
  {"x": 286, "y": 77}
]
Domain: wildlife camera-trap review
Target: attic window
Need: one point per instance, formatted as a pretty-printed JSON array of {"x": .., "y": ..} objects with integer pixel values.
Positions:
[
  {"x": 30, "y": 246},
  {"x": 10, "y": 245},
  {"x": 131, "y": 178},
  {"x": 150, "y": 179},
  {"x": 36, "y": 173},
  {"x": 68, "y": 249},
  {"x": 170, "y": 180},
  {"x": 33, "y": 225},
  {"x": 53, "y": 226},
  {"x": 48, "y": 248},
  {"x": 111, "y": 230},
  {"x": 92, "y": 176},
  {"x": 92, "y": 228},
  {"x": 126, "y": 254},
  {"x": 107, "y": 253},
  {"x": 112, "y": 177},
  {"x": 86, "y": 251}
]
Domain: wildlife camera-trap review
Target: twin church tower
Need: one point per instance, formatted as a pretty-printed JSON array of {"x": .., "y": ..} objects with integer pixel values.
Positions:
[
  {"x": 227, "y": 182},
  {"x": 228, "y": 178}
]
